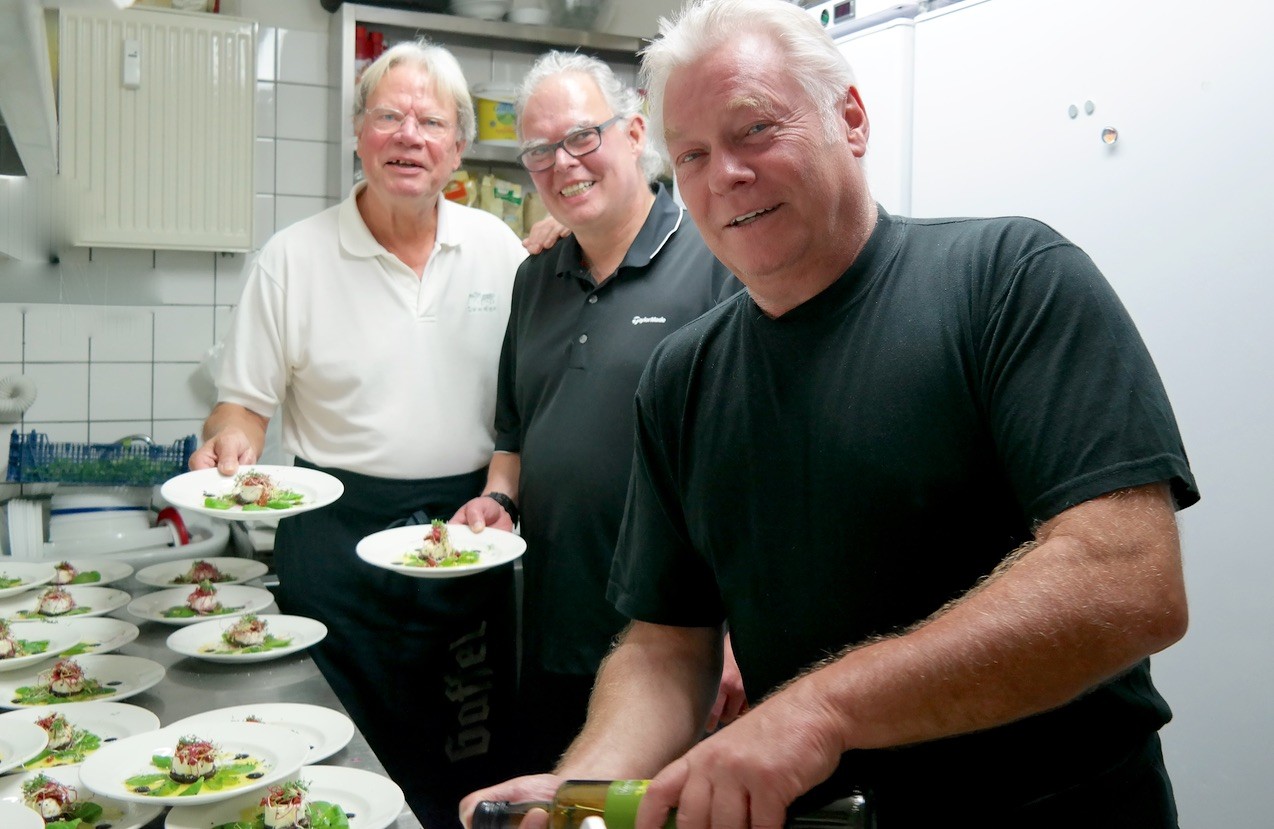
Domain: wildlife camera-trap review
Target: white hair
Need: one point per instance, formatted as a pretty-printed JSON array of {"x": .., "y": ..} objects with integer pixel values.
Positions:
[
  {"x": 436, "y": 62},
  {"x": 621, "y": 99},
  {"x": 702, "y": 26}
]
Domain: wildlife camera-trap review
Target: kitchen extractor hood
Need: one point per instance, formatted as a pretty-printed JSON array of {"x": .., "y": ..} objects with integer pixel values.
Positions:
[{"x": 28, "y": 107}]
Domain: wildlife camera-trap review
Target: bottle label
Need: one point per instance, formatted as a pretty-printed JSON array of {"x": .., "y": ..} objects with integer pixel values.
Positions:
[{"x": 622, "y": 799}]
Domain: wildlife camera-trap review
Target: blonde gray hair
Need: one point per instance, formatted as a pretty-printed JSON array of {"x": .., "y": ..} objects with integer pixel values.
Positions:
[
  {"x": 705, "y": 25},
  {"x": 436, "y": 62},
  {"x": 621, "y": 99}
]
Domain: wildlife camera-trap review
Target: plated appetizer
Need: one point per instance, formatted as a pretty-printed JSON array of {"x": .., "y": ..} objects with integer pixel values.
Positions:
[
  {"x": 193, "y": 759},
  {"x": 60, "y": 732},
  {"x": 194, "y": 764},
  {"x": 254, "y": 490},
  {"x": 202, "y": 601},
  {"x": 64, "y": 682},
  {"x": 200, "y": 572},
  {"x": 11, "y": 647},
  {"x": 54, "y": 601},
  {"x": 64, "y": 572},
  {"x": 288, "y": 806},
  {"x": 7, "y": 581},
  {"x": 436, "y": 550}
]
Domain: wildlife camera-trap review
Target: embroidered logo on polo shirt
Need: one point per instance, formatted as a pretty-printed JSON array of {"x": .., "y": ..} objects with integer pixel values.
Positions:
[
  {"x": 643, "y": 320},
  {"x": 483, "y": 302}
]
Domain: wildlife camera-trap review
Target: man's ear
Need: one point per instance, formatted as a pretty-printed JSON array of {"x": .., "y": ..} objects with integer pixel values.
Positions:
[{"x": 854, "y": 114}]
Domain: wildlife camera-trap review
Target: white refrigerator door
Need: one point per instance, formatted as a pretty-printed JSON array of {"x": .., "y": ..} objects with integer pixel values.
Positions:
[
  {"x": 882, "y": 58},
  {"x": 1178, "y": 213}
]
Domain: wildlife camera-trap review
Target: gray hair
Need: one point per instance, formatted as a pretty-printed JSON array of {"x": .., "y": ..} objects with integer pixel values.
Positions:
[
  {"x": 621, "y": 99},
  {"x": 439, "y": 64},
  {"x": 702, "y": 26}
]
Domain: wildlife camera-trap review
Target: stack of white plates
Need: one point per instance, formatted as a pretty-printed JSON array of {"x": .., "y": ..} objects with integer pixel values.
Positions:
[
  {"x": 485, "y": 9},
  {"x": 26, "y": 528}
]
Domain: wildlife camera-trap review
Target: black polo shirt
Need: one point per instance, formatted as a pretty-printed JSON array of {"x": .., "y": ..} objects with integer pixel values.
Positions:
[{"x": 573, "y": 353}]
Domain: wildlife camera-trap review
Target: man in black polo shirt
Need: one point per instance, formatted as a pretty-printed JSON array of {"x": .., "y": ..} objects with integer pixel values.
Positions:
[{"x": 585, "y": 317}]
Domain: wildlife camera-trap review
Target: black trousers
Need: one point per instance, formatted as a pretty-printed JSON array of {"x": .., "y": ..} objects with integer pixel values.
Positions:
[{"x": 426, "y": 668}]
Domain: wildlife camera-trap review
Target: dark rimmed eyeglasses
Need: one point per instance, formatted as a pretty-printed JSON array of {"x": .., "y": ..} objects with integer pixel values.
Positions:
[{"x": 577, "y": 144}]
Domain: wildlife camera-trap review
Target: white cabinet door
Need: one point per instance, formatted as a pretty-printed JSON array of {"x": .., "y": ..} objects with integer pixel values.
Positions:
[{"x": 1178, "y": 213}]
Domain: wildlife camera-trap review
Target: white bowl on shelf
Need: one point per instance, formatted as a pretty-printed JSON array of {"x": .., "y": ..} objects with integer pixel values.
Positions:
[{"x": 484, "y": 9}]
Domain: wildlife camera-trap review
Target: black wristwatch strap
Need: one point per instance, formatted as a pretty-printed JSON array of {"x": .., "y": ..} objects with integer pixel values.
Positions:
[{"x": 507, "y": 503}]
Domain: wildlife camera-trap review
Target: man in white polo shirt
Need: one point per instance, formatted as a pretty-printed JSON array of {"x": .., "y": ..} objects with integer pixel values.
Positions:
[{"x": 376, "y": 327}]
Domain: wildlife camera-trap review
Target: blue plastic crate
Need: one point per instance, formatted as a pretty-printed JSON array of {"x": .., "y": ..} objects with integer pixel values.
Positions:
[{"x": 33, "y": 458}]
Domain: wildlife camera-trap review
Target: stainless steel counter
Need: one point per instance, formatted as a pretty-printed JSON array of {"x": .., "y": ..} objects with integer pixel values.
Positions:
[{"x": 192, "y": 686}]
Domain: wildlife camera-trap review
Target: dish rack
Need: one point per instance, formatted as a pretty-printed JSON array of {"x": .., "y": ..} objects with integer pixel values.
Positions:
[{"x": 33, "y": 458}]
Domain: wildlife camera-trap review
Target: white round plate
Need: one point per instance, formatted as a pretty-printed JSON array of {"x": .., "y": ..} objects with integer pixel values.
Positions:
[
  {"x": 57, "y": 635},
  {"x": 388, "y": 548},
  {"x": 243, "y": 599},
  {"x": 280, "y": 752},
  {"x": 98, "y": 572},
  {"x": 325, "y": 730},
  {"x": 29, "y": 573},
  {"x": 125, "y": 675},
  {"x": 18, "y": 816},
  {"x": 18, "y": 743},
  {"x": 106, "y": 721},
  {"x": 188, "y": 491},
  {"x": 89, "y": 601},
  {"x": 237, "y": 571},
  {"x": 374, "y": 800},
  {"x": 115, "y": 813},
  {"x": 99, "y": 635},
  {"x": 203, "y": 641}
]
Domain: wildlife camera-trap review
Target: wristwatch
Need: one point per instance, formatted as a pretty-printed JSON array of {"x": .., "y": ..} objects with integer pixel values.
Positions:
[{"x": 507, "y": 504}]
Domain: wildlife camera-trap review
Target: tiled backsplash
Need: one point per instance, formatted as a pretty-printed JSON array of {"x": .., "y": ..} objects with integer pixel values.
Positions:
[{"x": 114, "y": 339}]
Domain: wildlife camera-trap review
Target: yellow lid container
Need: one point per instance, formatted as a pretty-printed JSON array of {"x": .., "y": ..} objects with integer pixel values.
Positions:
[{"x": 496, "y": 123}]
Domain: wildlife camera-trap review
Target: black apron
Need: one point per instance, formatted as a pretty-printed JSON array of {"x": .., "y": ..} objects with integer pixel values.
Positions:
[{"x": 425, "y": 667}]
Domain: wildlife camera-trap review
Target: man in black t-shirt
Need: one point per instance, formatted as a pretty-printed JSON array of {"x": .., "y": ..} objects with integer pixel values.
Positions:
[{"x": 925, "y": 470}]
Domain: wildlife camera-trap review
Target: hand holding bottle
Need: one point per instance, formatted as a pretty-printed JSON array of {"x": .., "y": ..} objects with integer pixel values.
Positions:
[
  {"x": 747, "y": 774},
  {"x": 534, "y": 788}
]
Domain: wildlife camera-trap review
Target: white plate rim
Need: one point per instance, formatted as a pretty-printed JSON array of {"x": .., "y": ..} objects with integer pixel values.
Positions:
[
  {"x": 336, "y": 728},
  {"x": 16, "y": 816},
  {"x": 41, "y": 574},
  {"x": 108, "y": 768},
  {"x": 108, "y": 720},
  {"x": 111, "y": 571},
  {"x": 138, "y": 813},
  {"x": 188, "y": 639},
  {"x": 147, "y": 575},
  {"x": 56, "y": 646},
  {"x": 104, "y": 667},
  {"x": 112, "y": 599},
  {"x": 381, "y": 549},
  {"x": 187, "y": 490},
  {"x": 143, "y": 607},
  {"x": 18, "y": 740},
  {"x": 384, "y": 796},
  {"x": 127, "y": 632}
]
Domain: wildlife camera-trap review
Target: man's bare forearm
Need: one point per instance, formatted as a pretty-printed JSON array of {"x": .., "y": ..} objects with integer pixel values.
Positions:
[{"x": 651, "y": 699}]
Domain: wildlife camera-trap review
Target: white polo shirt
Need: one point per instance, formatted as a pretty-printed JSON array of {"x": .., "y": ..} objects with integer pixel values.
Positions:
[{"x": 378, "y": 372}]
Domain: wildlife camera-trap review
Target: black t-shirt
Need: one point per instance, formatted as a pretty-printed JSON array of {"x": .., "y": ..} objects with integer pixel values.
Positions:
[
  {"x": 573, "y": 353},
  {"x": 844, "y": 470}
]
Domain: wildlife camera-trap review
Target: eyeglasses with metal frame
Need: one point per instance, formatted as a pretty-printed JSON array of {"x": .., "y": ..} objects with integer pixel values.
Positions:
[
  {"x": 388, "y": 121},
  {"x": 577, "y": 144}
]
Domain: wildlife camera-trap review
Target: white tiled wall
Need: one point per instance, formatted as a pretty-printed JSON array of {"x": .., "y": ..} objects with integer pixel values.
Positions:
[{"x": 113, "y": 339}]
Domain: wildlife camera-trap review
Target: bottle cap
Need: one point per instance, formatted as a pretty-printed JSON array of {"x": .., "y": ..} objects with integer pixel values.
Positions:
[{"x": 490, "y": 814}]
